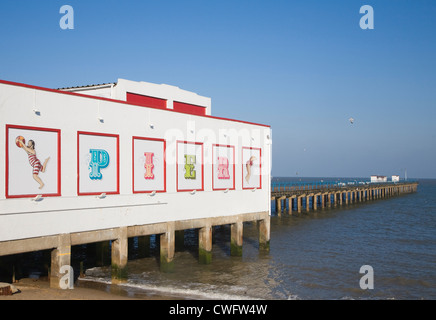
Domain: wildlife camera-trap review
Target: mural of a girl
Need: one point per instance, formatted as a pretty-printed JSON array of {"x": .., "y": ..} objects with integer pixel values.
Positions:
[
  {"x": 33, "y": 160},
  {"x": 249, "y": 164}
]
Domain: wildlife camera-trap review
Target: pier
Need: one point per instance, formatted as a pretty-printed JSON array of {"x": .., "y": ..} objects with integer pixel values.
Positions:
[
  {"x": 114, "y": 242},
  {"x": 128, "y": 160},
  {"x": 294, "y": 197}
]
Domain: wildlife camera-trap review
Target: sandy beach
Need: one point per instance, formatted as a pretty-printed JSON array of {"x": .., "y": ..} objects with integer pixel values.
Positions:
[{"x": 36, "y": 289}]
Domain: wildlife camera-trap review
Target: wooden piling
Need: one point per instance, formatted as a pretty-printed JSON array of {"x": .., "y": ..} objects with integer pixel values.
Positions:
[
  {"x": 205, "y": 245},
  {"x": 60, "y": 256},
  {"x": 167, "y": 249},
  {"x": 236, "y": 239},
  {"x": 264, "y": 234},
  {"x": 119, "y": 250}
]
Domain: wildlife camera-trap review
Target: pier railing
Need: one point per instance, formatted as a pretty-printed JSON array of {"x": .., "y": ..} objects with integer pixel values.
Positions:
[
  {"x": 316, "y": 185},
  {"x": 325, "y": 194}
]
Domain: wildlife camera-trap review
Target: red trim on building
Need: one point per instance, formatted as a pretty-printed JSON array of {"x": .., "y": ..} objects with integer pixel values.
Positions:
[
  {"x": 146, "y": 101},
  {"x": 189, "y": 108}
]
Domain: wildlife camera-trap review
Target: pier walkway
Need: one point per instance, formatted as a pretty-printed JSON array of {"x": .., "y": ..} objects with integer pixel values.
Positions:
[{"x": 297, "y": 196}]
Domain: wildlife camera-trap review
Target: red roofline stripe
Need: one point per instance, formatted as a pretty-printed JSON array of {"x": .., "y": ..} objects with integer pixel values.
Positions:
[{"x": 118, "y": 101}]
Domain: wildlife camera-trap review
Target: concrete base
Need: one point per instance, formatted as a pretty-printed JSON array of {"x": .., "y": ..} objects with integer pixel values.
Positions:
[
  {"x": 119, "y": 257},
  {"x": 60, "y": 256},
  {"x": 167, "y": 249},
  {"x": 264, "y": 234},
  {"x": 236, "y": 239},
  {"x": 205, "y": 245}
]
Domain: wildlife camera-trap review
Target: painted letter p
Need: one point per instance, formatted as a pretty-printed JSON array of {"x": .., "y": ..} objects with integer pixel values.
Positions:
[{"x": 99, "y": 160}]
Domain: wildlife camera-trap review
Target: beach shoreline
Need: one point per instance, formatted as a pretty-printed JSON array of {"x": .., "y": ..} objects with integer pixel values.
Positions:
[{"x": 39, "y": 289}]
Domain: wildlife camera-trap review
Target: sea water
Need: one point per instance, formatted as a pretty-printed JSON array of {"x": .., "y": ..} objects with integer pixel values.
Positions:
[{"x": 314, "y": 255}]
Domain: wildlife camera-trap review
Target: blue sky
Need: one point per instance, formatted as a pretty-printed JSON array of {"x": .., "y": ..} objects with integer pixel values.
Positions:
[{"x": 304, "y": 67}]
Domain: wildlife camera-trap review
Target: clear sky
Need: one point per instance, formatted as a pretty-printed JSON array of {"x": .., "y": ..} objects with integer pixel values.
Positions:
[{"x": 303, "y": 67}]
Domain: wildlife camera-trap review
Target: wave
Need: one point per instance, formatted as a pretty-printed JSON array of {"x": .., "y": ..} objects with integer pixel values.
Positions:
[{"x": 200, "y": 293}]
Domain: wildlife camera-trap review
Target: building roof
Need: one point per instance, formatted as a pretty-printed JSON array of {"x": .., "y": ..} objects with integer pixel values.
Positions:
[
  {"x": 68, "y": 92},
  {"x": 88, "y": 86}
]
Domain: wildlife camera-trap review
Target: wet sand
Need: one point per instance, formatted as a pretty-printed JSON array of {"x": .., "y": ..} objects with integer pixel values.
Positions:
[{"x": 39, "y": 289}]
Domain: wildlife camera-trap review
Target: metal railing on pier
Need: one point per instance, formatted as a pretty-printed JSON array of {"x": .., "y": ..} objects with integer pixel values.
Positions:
[{"x": 328, "y": 184}]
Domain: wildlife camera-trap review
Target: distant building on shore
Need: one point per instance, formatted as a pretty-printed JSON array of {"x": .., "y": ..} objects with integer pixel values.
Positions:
[
  {"x": 395, "y": 178},
  {"x": 376, "y": 178}
]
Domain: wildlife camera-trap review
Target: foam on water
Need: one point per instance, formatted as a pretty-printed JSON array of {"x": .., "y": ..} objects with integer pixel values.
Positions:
[{"x": 203, "y": 293}]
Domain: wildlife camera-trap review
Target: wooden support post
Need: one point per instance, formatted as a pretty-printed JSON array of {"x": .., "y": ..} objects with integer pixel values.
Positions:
[
  {"x": 264, "y": 234},
  {"x": 291, "y": 204},
  {"x": 279, "y": 205},
  {"x": 205, "y": 245},
  {"x": 119, "y": 257},
  {"x": 167, "y": 249},
  {"x": 60, "y": 257},
  {"x": 236, "y": 239},
  {"x": 315, "y": 201},
  {"x": 300, "y": 202}
]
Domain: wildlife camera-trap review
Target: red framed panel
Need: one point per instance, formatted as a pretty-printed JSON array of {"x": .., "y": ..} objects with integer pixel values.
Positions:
[
  {"x": 178, "y": 181},
  {"x": 19, "y": 173},
  {"x": 136, "y": 190},
  {"x": 80, "y": 163},
  {"x": 215, "y": 167},
  {"x": 255, "y": 179}
]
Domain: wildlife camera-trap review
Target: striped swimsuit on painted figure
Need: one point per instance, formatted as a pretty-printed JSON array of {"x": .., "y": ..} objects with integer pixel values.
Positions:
[{"x": 34, "y": 162}]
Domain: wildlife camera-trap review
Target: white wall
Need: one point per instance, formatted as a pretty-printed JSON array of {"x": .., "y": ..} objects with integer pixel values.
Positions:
[{"x": 23, "y": 218}]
